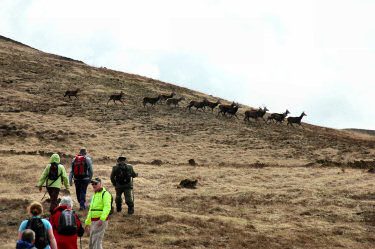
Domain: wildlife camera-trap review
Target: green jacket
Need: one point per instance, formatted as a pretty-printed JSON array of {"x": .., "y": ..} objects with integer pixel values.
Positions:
[
  {"x": 100, "y": 206},
  {"x": 55, "y": 158},
  {"x": 114, "y": 173}
]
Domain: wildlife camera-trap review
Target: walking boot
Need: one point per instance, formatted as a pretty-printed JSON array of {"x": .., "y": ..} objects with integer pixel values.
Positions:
[{"x": 131, "y": 210}]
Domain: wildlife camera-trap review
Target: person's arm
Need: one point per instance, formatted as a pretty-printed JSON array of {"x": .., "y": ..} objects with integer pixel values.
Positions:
[
  {"x": 43, "y": 177},
  {"x": 64, "y": 177},
  {"x": 89, "y": 164},
  {"x": 80, "y": 230},
  {"x": 106, "y": 206},
  {"x": 20, "y": 235},
  {"x": 113, "y": 176},
  {"x": 133, "y": 174},
  {"x": 71, "y": 174},
  {"x": 52, "y": 240}
]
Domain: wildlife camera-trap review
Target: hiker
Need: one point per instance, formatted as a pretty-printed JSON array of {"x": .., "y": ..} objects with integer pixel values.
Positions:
[
  {"x": 66, "y": 224},
  {"x": 27, "y": 240},
  {"x": 54, "y": 175},
  {"x": 44, "y": 238},
  {"x": 97, "y": 217},
  {"x": 121, "y": 178},
  {"x": 82, "y": 172}
]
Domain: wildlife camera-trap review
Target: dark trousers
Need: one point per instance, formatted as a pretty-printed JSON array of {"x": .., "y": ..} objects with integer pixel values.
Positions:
[
  {"x": 128, "y": 197},
  {"x": 53, "y": 195},
  {"x": 81, "y": 189}
]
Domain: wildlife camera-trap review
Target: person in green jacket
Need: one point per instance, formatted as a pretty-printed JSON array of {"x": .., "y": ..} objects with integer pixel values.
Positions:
[
  {"x": 121, "y": 179},
  {"x": 97, "y": 217},
  {"x": 54, "y": 175}
]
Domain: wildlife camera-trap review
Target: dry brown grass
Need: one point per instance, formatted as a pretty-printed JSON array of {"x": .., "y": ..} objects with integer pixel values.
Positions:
[{"x": 259, "y": 186}]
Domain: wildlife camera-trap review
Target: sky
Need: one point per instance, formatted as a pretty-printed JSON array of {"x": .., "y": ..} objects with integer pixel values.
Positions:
[{"x": 316, "y": 56}]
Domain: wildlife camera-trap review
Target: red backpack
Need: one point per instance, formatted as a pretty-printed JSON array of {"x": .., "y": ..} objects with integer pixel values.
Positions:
[{"x": 80, "y": 167}]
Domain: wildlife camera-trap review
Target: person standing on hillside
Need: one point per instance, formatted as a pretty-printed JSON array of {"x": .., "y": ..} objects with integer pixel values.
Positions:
[
  {"x": 121, "y": 178},
  {"x": 54, "y": 175},
  {"x": 27, "y": 240},
  {"x": 82, "y": 172},
  {"x": 97, "y": 217},
  {"x": 66, "y": 224},
  {"x": 44, "y": 238}
]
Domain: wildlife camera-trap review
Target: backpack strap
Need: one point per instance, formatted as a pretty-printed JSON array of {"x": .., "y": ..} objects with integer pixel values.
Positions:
[{"x": 56, "y": 178}]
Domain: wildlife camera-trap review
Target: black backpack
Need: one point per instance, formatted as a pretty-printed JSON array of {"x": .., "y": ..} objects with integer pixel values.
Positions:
[
  {"x": 112, "y": 209},
  {"x": 123, "y": 175},
  {"x": 41, "y": 235},
  {"x": 67, "y": 223},
  {"x": 53, "y": 172}
]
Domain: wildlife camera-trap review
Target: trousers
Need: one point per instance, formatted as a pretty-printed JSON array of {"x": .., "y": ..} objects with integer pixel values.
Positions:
[{"x": 97, "y": 234}]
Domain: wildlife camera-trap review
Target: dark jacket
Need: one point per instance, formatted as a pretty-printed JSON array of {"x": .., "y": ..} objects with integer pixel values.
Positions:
[
  {"x": 24, "y": 245},
  {"x": 115, "y": 171}
]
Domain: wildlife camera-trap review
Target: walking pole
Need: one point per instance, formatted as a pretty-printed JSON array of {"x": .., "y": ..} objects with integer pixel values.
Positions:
[{"x": 80, "y": 241}]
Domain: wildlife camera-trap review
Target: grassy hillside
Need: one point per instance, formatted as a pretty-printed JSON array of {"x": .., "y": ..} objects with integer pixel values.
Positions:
[{"x": 259, "y": 185}]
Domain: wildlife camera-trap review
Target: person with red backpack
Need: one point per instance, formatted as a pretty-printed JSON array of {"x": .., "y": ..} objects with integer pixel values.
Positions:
[
  {"x": 66, "y": 224},
  {"x": 54, "y": 175},
  {"x": 82, "y": 173}
]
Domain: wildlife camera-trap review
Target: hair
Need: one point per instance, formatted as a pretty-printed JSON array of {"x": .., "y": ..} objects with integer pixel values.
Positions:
[
  {"x": 28, "y": 235},
  {"x": 67, "y": 201},
  {"x": 83, "y": 150},
  {"x": 35, "y": 209}
]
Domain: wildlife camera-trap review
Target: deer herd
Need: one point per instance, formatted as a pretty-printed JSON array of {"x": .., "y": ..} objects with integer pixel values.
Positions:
[{"x": 224, "y": 110}]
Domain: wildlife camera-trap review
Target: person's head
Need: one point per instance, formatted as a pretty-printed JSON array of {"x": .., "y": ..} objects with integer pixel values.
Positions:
[
  {"x": 96, "y": 183},
  {"x": 121, "y": 159},
  {"x": 28, "y": 235},
  {"x": 67, "y": 201},
  {"x": 35, "y": 209},
  {"x": 83, "y": 151},
  {"x": 55, "y": 158}
]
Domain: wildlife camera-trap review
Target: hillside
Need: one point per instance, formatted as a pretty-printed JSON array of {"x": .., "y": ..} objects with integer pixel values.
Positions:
[{"x": 257, "y": 183}]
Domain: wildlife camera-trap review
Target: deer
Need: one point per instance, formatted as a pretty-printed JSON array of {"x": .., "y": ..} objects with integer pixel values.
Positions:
[
  {"x": 71, "y": 93},
  {"x": 164, "y": 97},
  {"x": 230, "y": 109},
  {"x": 212, "y": 105},
  {"x": 115, "y": 97},
  {"x": 174, "y": 101},
  {"x": 278, "y": 117},
  {"x": 197, "y": 104},
  {"x": 296, "y": 120},
  {"x": 255, "y": 114},
  {"x": 223, "y": 109},
  {"x": 150, "y": 100}
]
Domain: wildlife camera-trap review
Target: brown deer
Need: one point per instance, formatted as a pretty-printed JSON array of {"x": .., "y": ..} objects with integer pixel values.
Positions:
[
  {"x": 71, "y": 93},
  {"x": 115, "y": 97},
  {"x": 197, "y": 104},
  {"x": 164, "y": 97},
  {"x": 255, "y": 114},
  {"x": 278, "y": 117},
  {"x": 174, "y": 101},
  {"x": 296, "y": 120},
  {"x": 212, "y": 105},
  {"x": 150, "y": 100}
]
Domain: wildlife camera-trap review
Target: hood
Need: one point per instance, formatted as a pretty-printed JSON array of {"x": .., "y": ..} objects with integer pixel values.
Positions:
[
  {"x": 60, "y": 208},
  {"x": 23, "y": 245},
  {"x": 55, "y": 158}
]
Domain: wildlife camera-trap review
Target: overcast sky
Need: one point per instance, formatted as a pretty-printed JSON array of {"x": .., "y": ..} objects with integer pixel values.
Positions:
[{"x": 313, "y": 56}]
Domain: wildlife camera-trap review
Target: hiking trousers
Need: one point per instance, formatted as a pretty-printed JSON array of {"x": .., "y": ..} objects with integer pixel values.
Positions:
[
  {"x": 97, "y": 234},
  {"x": 81, "y": 189},
  {"x": 53, "y": 195},
  {"x": 128, "y": 197}
]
